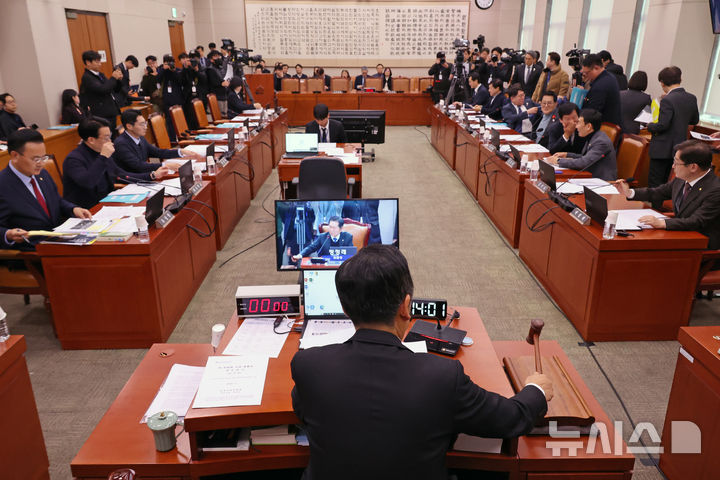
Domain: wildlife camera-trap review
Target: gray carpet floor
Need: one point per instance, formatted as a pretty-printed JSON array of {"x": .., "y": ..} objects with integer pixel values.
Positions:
[{"x": 454, "y": 252}]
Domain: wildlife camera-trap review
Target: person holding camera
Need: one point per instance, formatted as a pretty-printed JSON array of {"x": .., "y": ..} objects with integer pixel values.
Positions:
[
  {"x": 441, "y": 77},
  {"x": 192, "y": 79},
  {"x": 171, "y": 81},
  {"x": 97, "y": 92},
  {"x": 149, "y": 85},
  {"x": 552, "y": 79},
  {"x": 499, "y": 70},
  {"x": 130, "y": 62},
  {"x": 216, "y": 80}
]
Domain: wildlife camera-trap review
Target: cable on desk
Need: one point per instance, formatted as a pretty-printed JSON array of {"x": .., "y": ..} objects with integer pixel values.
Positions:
[
  {"x": 251, "y": 169},
  {"x": 288, "y": 324},
  {"x": 483, "y": 169},
  {"x": 534, "y": 227},
  {"x": 245, "y": 250},
  {"x": 199, "y": 233}
]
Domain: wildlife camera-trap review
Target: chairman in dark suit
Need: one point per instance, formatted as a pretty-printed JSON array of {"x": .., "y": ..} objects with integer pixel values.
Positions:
[
  {"x": 678, "y": 110},
  {"x": 29, "y": 198},
  {"x": 327, "y": 130},
  {"x": 695, "y": 193},
  {"x": 527, "y": 75},
  {"x": 331, "y": 239},
  {"x": 89, "y": 171},
  {"x": 562, "y": 136},
  {"x": 97, "y": 92},
  {"x": 374, "y": 409},
  {"x": 598, "y": 154},
  {"x": 517, "y": 112},
  {"x": 604, "y": 94},
  {"x": 480, "y": 94},
  {"x": 132, "y": 150},
  {"x": 361, "y": 80}
]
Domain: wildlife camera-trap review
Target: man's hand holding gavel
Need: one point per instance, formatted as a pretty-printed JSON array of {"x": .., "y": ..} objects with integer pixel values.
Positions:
[{"x": 542, "y": 381}]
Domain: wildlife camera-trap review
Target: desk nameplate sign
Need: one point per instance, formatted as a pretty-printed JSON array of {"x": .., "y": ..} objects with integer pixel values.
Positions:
[
  {"x": 542, "y": 186},
  {"x": 195, "y": 188},
  {"x": 164, "y": 219},
  {"x": 582, "y": 217}
]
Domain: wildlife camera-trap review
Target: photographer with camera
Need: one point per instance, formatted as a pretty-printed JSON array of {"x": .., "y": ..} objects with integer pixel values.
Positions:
[
  {"x": 171, "y": 81},
  {"x": 527, "y": 74},
  {"x": 552, "y": 79},
  {"x": 499, "y": 70},
  {"x": 122, "y": 96},
  {"x": 97, "y": 92},
  {"x": 441, "y": 77},
  {"x": 150, "y": 85},
  {"x": 194, "y": 85},
  {"x": 216, "y": 80}
]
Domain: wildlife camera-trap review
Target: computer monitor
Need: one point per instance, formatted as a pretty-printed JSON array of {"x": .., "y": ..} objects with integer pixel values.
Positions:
[
  {"x": 320, "y": 297},
  {"x": 231, "y": 142},
  {"x": 362, "y": 126},
  {"x": 154, "y": 206},
  {"x": 516, "y": 155},
  {"x": 547, "y": 174},
  {"x": 302, "y": 236},
  {"x": 301, "y": 142},
  {"x": 186, "y": 175},
  {"x": 495, "y": 139},
  {"x": 595, "y": 205}
]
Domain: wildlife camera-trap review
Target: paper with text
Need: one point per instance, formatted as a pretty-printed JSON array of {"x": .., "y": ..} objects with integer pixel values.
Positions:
[
  {"x": 256, "y": 336},
  {"x": 177, "y": 391},
  {"x": 232, "y": 381}
]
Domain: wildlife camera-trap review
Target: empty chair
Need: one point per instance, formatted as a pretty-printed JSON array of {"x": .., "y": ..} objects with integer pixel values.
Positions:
[
  {"x": 425, "y": 83},
  {"x": 401, "y": 85},
  {"x": 323, "y": 178},
  {"x": 631, "y": 152},
  {"x": 374, "y": 83},
  {"x": 612, "y": 131},
  {"x": 180, "y": 124},
  {"x": 315, "y": 85},
  {"x": 291, "y": 85},
  {"x": 200, "y": 114},
  {"x": 157, "y": 123},
  {"x": 339, "y": 84},
  {"x": 215, "y": 109}
]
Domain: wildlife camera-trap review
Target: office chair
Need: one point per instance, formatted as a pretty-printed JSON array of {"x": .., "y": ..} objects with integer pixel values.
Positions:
[
  {"x": 339, "y": 84},
  {"x": 708, "y": 279},
  {"x": 612, "y": 131},
  {"x": 631, "y": 152},
  {"x": 180, "y": 123},
  {"x": 401, "y": 85},
  {"x": 157, "y": 123},
  {"x": 315, "y": 85},
  {"x": 291, "y": 85},
  {"x": 215, "y": 112},
  {"x": 374, "y": 83},
  {"x": 200, "y": 114},
  {"x": 323, "y": 178},
  {"x": 359, "y": 231},
  {"x": 52, "y": 168}
]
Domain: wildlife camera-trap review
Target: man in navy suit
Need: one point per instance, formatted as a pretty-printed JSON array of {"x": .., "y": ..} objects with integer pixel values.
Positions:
[
  {"x": 89, "y": 171},
  {"x": 333, "y": 238},
  {"x": 494, "y": 105},
  {"x": 29, "y": 198},
  {"x": 359, "y": 83},
  {"x": 604, "y": 93},
  {"x": 527, "y": 74},
  {"x": 132, "y": 150},
  {"x": 130, "y": 62},
  {"x": 518, "y": 110},
  {"x": 480, "y": 94},
  {"x": 97, "y": 92},
  {"x": 327, "y": 130},
  {"x": 545, "y": 118},
  {"x": 562, "y": 136}
]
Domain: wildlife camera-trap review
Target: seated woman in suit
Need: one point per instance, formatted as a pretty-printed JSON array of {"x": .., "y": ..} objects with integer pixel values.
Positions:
[
  {"x": 387, "y": 81},
  {"x": 71, "y": 110},
  {"x": 633, "y": 101},
  {"x": 236, "y": 105},
  {"x": 345, "y": 74}
]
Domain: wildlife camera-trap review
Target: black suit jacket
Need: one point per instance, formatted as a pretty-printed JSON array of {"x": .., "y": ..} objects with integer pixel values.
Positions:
[
  {"x": 173, "y": 87},
  {"x": 519, "y": 77},
  {"x": 122, "y": 95},
  {"x": 494, "y": 105},
  {"x": 97, "y": 94},
  {"x": 633, "y": 102},
  {"x": 236, "y": 105},
  {"x": 20, "y": 209},
  {"x": 554, "y": 141},
  {"x": 374, "y": 409},
  {"x": 700, "y": 211},
  {"x": 215, "y": 80},
  {"x": 678, "y": 110},
  {"x": 88, "y": 176},
  {"x": 479, "y": 96},
  {"x": 617, "y": 71},
  {"x": 323, "y": 243},
  {"x": 604, "y": 96},
  {"x": 9, "y": 122},
  {"x": 337, "y": 132},
  {"x": 134, "y": 158},
  {"x": 545, "y": 134},
  {"x": 359, "y": 82},
  {"x": 72, "y": 114}
]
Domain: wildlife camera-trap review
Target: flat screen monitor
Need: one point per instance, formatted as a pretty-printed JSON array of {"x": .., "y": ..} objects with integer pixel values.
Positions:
[
  {"x": 186, "y": 175},
  {"x": 231, "y": 142},
  {"x": 495, "y": 139},
  {"x": 547, "y": 174},
  {"x": 366, "y": 126},
  {"x": 715, "y": 15},
  {"x": 304, "y": 230},
  {"x": 154, "y": 206},
  {"x": 516, "y": 155},
  {"x": 595, "y": 205}
]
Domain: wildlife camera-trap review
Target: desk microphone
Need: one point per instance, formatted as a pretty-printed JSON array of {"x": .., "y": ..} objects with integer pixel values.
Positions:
[{"x": 455, "y": 315}]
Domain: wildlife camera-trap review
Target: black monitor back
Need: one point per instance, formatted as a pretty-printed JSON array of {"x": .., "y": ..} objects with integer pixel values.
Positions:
[{"x": 362, "y": 125}]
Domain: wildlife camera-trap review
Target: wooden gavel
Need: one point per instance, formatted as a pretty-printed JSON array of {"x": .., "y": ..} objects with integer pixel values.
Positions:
[{"x": 533, "y": 338}]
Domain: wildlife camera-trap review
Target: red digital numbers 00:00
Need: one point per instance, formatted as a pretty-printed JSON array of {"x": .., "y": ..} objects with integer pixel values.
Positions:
[{"x": 263, "y": 305}]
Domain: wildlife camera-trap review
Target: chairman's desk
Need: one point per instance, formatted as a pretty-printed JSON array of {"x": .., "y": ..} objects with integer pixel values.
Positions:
[
  {"x": 635, "y": 288},
  {"x": 289, "y": 168},
  {"x": 119, "y": 440},
  {"x": 400, "y": 108},
  {"x": 22, "y": 448},
  {"x": 129, "y": 294},
  {"x": 695, "y": 397}
]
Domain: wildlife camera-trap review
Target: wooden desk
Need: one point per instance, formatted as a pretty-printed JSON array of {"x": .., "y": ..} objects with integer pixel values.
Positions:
[
  {"x": 443, "y": 132},
  {"x": 129, "y": 294},
  {"x": 119, "y": 440},
  {"x": 695, "y": 397},
  {"x": 22, "y": 448},
  {"x": 289, "y": 168},
  {"x": 278, "y": 128},
  {"x": 400, "y": 108},
  {"x": 57, "y": 142},
  {"x": 635, "y": 288}
]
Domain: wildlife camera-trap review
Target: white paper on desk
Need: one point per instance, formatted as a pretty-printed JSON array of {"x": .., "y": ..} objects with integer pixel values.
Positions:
[
  {"x": 177, "y": 391},
  {"x": 112, "y": 213},
  {"x": 172, "y": 187},
  {"x": 323, "y": 147},
  {"x": 232, "y": 381},
  {"x": 256, "y": 336},
  {"x": 569, "y": 188},
  {"x": 418, "y": 347},
  {"x": 348, "y": 158},
  {"x": 629, "y": 219},
  {"x": 703, "y": 137},
  {"x": 645, "y": 117},
  {"x": 195, "y": 148},
  {"x": 133, "y": 189},
  {"x": 319, "y": 333},
  {"x": 532, "y": 148},
  {"x": 504, "y": 148},
  {"x": 254, "y": 111},
  {"x": 469, "y": 443},
  {"x": 598, "y": 185},
  {"x": 71, "y": 226},
  {"x": 122, "y": 226},
  {"x": 497, "y": 126},
  {"x": 514, "y": 138}
]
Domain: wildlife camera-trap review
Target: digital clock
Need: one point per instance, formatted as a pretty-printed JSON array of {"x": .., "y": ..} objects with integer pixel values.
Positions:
[
  {"x": 428, "y": 308},
  {"x": 268, "y": 300}
]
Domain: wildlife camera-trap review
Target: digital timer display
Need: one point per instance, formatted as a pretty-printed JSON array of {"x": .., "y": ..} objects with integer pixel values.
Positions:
[
  {"x": 268, "y": 306},
  {"x": 428, "y": 308}
]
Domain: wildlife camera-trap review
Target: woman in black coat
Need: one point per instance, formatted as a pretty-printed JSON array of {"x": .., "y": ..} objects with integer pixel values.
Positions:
[
  {"x": 71, "y": 110},
  {"x": 633, "y": 101}
]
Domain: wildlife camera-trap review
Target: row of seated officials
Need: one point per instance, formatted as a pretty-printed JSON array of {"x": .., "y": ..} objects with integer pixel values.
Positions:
[{"x": 384, "y": 73}]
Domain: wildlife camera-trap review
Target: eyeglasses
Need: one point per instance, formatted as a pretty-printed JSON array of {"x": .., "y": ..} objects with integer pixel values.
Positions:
[
  {"x": 683, "y": 164},
  {"x": 547, "y": 104},
  {"x": 39, "y": 159}
]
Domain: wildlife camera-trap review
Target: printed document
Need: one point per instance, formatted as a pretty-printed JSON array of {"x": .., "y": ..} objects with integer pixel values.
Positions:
[
  {"x": 232, "y": 381},
  {"x": 256, "y": 336},
  {"x": 176, "y": 392}
]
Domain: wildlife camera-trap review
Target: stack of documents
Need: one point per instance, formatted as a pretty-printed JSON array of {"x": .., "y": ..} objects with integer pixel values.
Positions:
[
  {"x": 256, "y": 336},
  {"x": 514, "y": 138},
  {"x": 278, "y": 435},
  {"x": 176, "y": 392},
  {"x": 629, "y": 219},
  {"x": 575, "y": 186},
  {"x": 703, "y": 137}
]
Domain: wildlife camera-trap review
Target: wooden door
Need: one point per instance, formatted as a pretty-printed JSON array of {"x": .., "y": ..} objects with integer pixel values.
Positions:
[
  {"x": 177, "y": 39},
  {"x": 89, "y": 31}
]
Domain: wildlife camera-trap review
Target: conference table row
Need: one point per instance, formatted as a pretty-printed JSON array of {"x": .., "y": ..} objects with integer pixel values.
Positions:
[
  {"x": 120, "y": 441},
  {"x": 135, "y": 293},
  {"x": 639, "y": 287}
]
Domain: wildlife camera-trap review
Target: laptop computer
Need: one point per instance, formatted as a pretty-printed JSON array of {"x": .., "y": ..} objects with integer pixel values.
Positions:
[
  {"x": 301, "y": 145},
  {"x": 595, "y": 205},
  {"x": 547, "y": 174},
  {"x": 515, "y": 153},
  {"x": 495, "y": 139},
  {"x": 320, "y": 297},
  {"x": 154, "y": 206}
]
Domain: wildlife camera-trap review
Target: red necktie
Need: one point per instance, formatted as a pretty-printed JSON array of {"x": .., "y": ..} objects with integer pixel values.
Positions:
[{"x": 39, "y": 196}]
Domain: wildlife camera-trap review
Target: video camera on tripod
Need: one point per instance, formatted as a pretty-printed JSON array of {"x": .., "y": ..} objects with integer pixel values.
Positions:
[
  {"x": 575, "y": 59},
  {"x": 239, "y": 55}
]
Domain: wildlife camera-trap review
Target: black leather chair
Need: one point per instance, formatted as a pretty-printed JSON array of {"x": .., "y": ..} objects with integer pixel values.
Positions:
[{"x": 323, "y": 178}]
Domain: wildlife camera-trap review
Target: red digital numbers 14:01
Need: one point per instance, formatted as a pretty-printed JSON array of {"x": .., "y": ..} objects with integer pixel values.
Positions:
[{"x": 267, "y": 305}]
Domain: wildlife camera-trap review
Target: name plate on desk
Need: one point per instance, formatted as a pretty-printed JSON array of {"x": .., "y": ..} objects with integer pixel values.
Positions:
[
  {"x": 196, "y": 188},
  {"x": 544, "y": 187},
  {"x": 222, "y": 162},
  {"x": 582, "y": 217},
  {"x": 164, "y": 219},
  {"x": 511, "y": 163}
]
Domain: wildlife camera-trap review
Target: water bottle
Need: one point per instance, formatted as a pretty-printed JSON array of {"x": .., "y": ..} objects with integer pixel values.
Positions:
[
  {"x": 4, "y": 332},
  {"x": 534, "y": 171},
  {"x": 142, "y": 226},
  {"x": 210, "y": 165},
  {"x": 610, "y": 222}
]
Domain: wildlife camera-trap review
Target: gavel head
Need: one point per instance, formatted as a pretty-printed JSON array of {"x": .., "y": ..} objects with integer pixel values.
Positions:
[{"x": 536, "y": 326}]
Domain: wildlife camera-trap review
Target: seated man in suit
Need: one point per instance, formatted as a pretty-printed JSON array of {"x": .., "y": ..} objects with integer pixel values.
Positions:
[
  {"x": 598, "y": 154},
  {"x": 562, "y": 136},
  {"x": 10, "y": 121},
  {"x": 132, "y": 150},
  {"x": 29, "y": 198},
  {"x": 695, "y": 193},
  {"x": 90, "y": 172},
  {"x": 333, "y": 238},
  {"x": 494, "y": 105},
  {"x": 403, "y": 409},
  {"x": 480, "y": 94},
  {"x": 516, "y": 113},
  {"x": 360, "y": 79},
  {"x": 328, "y": 131},
  {"x": 545, "y": 118},
  {"x": 379, "y": 70},
  {"x": 299, "y": 72},
  {"x": 320, "y": 73}
]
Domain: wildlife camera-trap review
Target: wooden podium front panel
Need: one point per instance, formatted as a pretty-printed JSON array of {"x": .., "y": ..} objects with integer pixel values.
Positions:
[
  {"x": 262, "y": 86},
  {"x": 337, "y": 101},
  {"x": 260, "y": 157},
  {"x": 400, "y": 108},
  {"x": 507, "y": 207},
  {"x": 22, "y": 448},
  {"x": 299, "y": 106}
]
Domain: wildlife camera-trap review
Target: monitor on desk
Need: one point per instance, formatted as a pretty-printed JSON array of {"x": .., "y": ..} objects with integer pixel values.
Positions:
[
  {"x": 547, "y": 174},
  {"x": 303, "y": 228},
  {"x": 301, "y": 142},
  {"x": 230, "y": 143},
  {"x": 516, "y": 155},
  {"x": 495, "y": 139},
  {"x": 362, "y": 126},
  {"x": 154, "y": 206},
  {"x": 595, "y": 205},
  {"x": 185, "y": 173}
]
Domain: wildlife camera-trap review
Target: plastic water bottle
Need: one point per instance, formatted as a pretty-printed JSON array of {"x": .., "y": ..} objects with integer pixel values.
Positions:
[
  {"x": 142, "y": 226},
  {"x": 610, "y": 222},
  {"x": 4, "y": 332},
  {"x": 211, "y": 166}
]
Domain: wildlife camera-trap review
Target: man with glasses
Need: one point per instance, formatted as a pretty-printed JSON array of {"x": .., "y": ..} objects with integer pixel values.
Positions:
[
  {"x": 545, "y": 118},
  {"x": 89, "y": 171},
  {"x": 695, "y": 194},
  {"x": 29, "y": 198},
  {"x": 132, "y": 150}
]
